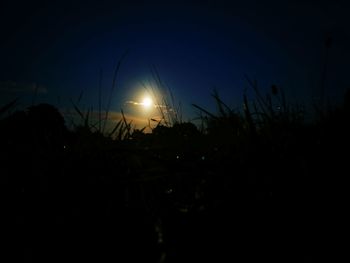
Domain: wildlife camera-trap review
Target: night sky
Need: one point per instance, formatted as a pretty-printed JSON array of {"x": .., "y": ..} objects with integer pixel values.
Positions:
[{"x": 58, "y": 48}]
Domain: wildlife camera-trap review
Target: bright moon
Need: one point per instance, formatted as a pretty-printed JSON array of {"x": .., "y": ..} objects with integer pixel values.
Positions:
[{"x": 147, "y": 102}]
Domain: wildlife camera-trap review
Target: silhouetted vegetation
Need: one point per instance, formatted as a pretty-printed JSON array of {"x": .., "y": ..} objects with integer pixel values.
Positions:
[{"x": 244, "y": 185}]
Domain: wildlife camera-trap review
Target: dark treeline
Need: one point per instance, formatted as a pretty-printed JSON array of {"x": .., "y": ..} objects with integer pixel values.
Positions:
[{"x": 256, "y": 185}]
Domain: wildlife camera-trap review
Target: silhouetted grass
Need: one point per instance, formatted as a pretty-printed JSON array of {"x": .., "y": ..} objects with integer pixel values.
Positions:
[{"x": 180, "y": 190}]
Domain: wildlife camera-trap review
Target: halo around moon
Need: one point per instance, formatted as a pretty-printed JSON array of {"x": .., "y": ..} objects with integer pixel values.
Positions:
[{"x": 147, "y": 102}]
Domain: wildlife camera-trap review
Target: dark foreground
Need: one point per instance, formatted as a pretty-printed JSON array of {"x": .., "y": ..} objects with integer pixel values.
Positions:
[{"x": 175, "y": 195}]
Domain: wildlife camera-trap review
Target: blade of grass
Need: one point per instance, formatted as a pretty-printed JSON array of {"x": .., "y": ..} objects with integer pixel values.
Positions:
[
  {"x": 100, "y": 102},
  {"x": 80, "y": 96},
  {"x": 114, "y": 81},
  {"x": 115, "y": 128},
  {"x": 127, "y": 125},
  {"x": 205, "y": 111},
  {"x": 78, "y": 110},
  {"x": 8, "y": 106}
]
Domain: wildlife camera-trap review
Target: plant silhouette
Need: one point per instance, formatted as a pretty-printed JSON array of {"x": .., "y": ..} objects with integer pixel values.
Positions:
[{"x": 177, "y": 193}]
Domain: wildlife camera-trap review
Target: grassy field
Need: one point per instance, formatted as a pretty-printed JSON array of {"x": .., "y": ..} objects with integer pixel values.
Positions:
[{"x": 244, "y": 186}]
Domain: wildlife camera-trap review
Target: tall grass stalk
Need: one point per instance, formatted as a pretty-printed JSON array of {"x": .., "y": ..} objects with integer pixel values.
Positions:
[
  {"x": 114, "y": 81},
  {"x": 100, "y": 101},
  {"x": 8, "y": 106},
  {"x": 170, "y": 113}
]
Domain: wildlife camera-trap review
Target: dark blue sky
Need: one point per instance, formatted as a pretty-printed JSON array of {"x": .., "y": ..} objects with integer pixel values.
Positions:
[{"x": 195, "y": 45}]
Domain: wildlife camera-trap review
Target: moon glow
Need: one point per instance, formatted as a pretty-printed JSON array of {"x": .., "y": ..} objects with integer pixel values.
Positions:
[{"x": 147, "y": 102}]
